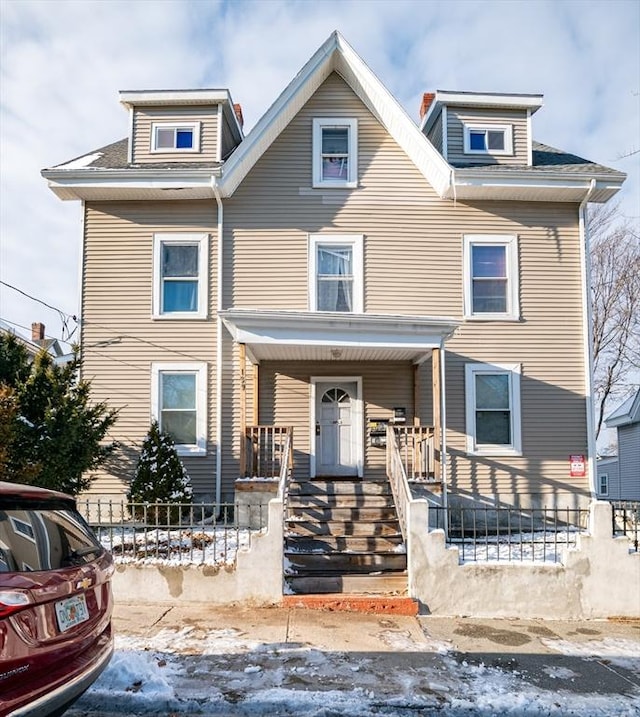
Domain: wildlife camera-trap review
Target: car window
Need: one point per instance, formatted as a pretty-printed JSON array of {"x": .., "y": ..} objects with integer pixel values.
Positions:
[{"x": 43, "y": 538}]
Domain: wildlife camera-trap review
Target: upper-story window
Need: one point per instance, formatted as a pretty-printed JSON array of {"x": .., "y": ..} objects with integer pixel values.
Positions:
[
  {"x": 335, "y": 273},
  {"x": 488, "y": 139},
  {"x": 335, "y": 152},
  {"x": 491, "y": 277},
  {"x": 603, "y": 484},
  {"x": 170, "y": 137},
  {"x": 180, "y": 276}
]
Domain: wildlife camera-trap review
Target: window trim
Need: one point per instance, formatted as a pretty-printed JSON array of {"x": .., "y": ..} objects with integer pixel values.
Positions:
[
  {"x": 356, "y": 241},
  {"x": 507, "y": 129},
  {"x": 199, "y": 369},
  {"x": 514, "y": 372},
  {"x": 510, "y": 242},
  {"x": 193, "y": 126},
  {"x": 185, "y": 239},
  {"x": 352, "y": 125},
  {"x": 606, "y": 478}
]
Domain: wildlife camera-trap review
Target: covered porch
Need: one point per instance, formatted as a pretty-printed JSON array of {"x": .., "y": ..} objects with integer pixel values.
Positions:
[{"x": 331, "y": 384}]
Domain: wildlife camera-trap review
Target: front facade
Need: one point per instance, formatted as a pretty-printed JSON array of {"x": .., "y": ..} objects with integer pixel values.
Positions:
[{"x": 339, "y": 269}]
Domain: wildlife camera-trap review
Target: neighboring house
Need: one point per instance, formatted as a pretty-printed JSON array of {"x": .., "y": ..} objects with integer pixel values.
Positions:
[
  {"x": 619, "y": 476},
  {"x": 339, "y": 269},
  {"x": 37, "y": 342}
]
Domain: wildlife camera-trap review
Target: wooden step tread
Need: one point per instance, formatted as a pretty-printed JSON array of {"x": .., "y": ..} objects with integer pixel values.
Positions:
[{"x": 390, "y": 583}]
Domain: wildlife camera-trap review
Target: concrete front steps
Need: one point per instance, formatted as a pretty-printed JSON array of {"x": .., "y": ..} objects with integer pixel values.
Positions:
[{"x": 342, "y": 536}]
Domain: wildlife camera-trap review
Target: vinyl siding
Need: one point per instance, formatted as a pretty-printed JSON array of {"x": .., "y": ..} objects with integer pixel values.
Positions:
[
  {"x": 144, "y": 118},
  {"x": 458, "y": 116},
  {"x": 413, "y": 265},
  {"x": 629, "y": 460},
  {"x": 119, "y": 338},
  {"x": 612, "y": 470},
  {"x": 434, "y": 135}
]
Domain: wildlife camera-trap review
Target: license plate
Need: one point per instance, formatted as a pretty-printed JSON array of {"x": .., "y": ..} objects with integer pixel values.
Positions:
[{"x": 71, "y": 612}]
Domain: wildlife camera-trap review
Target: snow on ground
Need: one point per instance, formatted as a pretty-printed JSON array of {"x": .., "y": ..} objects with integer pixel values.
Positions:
[{"x": 223, "y": 672}]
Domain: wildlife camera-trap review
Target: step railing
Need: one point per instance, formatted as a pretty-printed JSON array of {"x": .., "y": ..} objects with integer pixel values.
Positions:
[
  {"x": 266, "y": 451},
  {"x": 397, "y": 474},
  {"x": 417, "y": 451}
]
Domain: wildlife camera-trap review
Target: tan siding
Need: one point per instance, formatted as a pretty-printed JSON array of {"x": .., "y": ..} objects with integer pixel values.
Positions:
[
  {"x": 121, "y": 341},
  {"x": 413, "y": 265},
  {"x": 457, "y": 116},
  {"x": 145, "y": 117},
  {"x": 435, "y": 134}
]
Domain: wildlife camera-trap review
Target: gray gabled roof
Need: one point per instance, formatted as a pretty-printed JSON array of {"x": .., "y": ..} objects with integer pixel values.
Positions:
[{"x": 627, "y": 413}]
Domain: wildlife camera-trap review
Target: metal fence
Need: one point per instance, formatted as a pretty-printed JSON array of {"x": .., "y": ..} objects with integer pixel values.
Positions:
[
  {"x": 626, "y": 521},
  {"x": 488, "y": 534},
  {"x": 180, "y": 533}
]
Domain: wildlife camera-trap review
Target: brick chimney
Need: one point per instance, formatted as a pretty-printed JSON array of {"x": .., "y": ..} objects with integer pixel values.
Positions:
[
  {"x": 37, "y": 331},
  {"x": 427, "y": 99},
  {"x": 238, "y": 110}
]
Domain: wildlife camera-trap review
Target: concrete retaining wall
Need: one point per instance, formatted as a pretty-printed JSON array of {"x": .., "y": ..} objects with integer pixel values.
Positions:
[{"x": 597, "y": 579}]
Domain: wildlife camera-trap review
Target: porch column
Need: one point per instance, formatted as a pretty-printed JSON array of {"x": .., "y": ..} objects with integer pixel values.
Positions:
[
  {"x": 256, "y": 396},
  {"x": 242, "y": 349},
  {"x": 416, "y": 395},
  {"x": 437, "y": 412}
]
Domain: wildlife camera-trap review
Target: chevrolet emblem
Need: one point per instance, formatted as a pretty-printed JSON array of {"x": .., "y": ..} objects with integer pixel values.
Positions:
[{"x": 84, "y": 584}]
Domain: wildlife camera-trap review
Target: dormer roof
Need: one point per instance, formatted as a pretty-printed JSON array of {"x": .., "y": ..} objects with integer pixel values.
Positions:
[{"x": 627, "y": 413}]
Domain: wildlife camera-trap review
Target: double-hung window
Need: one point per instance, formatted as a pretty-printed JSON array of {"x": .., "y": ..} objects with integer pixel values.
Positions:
[
  {"x": 493, "y": 409},
  {"x": 603, "y": 487},
  {"x": 180, "y": 276},
  {"x": 488, "y": 139},
  {"x": 179, "y": 404},
  {"x": 335, "y": 152},
  {"x": 335, "y": 273},
  {"x": 168, "y": 137},
  {"x": 491, "y": 277}
]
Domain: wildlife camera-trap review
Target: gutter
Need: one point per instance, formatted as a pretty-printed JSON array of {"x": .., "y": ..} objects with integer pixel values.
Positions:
[
  {"x": 587, "y": 336},
  {"x": 220, "y": 259}
]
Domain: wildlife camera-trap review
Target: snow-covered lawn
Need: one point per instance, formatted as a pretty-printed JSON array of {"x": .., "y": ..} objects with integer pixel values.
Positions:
[
  {"x": 539, "y": 546},
  {"x": 197, "y": 546}
]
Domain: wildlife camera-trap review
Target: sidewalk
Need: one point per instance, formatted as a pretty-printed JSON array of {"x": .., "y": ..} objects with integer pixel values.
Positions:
[{"x": 289, "y": 661}]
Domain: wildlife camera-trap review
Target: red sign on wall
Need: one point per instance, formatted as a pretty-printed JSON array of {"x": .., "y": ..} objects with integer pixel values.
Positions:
[{"x": 577, "y": 466}]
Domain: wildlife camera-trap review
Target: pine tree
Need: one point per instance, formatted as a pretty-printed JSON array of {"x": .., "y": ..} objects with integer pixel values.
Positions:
[
  {"x": 160, "y": 477},
  {"x": 55, "y": 433}
]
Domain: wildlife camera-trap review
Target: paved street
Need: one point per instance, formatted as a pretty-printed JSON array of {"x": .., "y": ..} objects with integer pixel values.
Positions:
[{"x": 190, "y": 659}]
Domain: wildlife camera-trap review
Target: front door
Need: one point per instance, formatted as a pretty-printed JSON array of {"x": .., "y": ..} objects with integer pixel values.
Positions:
[{"x": 337, "y": 442}]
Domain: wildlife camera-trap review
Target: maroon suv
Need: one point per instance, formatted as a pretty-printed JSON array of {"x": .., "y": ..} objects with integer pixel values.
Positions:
[{"x": 55, "y": 603}]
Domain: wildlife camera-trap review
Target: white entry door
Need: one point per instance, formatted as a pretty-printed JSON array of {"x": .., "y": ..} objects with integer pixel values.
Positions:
[{"x": 337, "y": 435}]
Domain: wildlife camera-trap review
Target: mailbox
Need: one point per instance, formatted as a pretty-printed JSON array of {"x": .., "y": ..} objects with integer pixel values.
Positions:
[{"x": 378, "y": 432}]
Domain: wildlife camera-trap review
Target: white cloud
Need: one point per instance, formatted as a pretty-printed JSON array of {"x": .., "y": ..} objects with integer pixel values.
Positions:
[{"x": 63, "y": 64}]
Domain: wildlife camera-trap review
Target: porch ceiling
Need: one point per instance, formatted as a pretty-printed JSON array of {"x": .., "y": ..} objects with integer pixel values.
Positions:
[{"x": 326, "y": 336}]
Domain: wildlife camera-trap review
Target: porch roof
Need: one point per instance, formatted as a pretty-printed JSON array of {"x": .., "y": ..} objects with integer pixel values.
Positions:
[{"x": 327, "y": 336}]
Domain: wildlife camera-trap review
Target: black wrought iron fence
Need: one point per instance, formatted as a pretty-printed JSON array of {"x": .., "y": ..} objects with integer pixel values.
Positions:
[
  {"x": 626, "y": 521},
  {"x": 200, "y": 534},
  {"x": 487, "y": 533}
]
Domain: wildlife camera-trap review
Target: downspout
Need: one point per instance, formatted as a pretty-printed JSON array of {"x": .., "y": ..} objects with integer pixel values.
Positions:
[
  {"x": 443, "y": 432},
  {"x": 220, "y": 259},
  {"x": 587, "y": 334}
]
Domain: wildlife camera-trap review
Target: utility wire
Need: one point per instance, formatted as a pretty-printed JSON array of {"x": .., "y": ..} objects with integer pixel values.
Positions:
[{"x": 28, "y": 328}]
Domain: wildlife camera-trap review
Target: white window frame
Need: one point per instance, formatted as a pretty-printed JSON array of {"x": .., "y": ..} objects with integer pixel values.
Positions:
[
  {"x": 186, "y": 239},
  {"x": 193, "y": 126},
  {"x": 513, "y": 371},
  {"x": 604, "y": 476},
  {"x": 507, "y": 129},
  {"x": 356, "y": 241},
  {"x": 510, "y": 242},
  {"x": 319, "y": 123},
  {"x": 199, "y": 369}
]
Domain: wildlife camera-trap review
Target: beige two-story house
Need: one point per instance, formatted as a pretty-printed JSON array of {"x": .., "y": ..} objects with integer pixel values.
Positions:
[{"x": 338, "y": 270}]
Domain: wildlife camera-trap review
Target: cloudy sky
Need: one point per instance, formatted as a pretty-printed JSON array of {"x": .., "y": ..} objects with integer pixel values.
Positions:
[{"x": 63, "y": 63}]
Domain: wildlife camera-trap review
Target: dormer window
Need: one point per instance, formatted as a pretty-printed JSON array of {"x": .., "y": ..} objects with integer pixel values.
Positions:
[
  {"x": 488, "y": 139},
  {"x": 335, "y": 152},
  {"x": 167, "y": 137}
]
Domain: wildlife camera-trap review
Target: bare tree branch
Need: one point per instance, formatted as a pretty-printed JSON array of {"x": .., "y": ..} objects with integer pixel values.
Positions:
[{"x": 615, "y": 294}]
